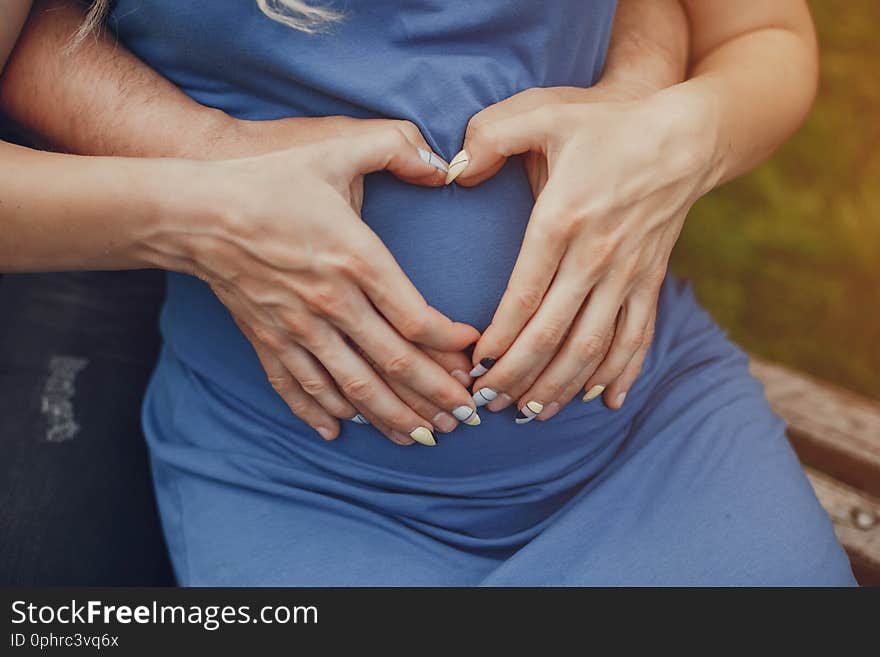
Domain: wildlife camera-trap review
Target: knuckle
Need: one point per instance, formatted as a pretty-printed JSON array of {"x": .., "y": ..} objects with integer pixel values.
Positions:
[
  {"x": 654, "y": 278},
  {"x": 527, "y": 300},
  {"x": 548, "y": 390},
  {"x": 479, "y": 131},
  {"x": 398, "y": 366},
  {"x": 400, "y": 421},
  {"x": 281, "y": 383},
  {"x": 328, "y": 301},
  {"x": 266, "y": 336},
  {"x": 415, "y": 328},
  {"x": 358, "y": 390},
  {"x": 589, "y": 347},
  {"x": 299, "y": 407},
  {"x": 397, "y": 139},
  {"x": 549, "y": 336},
  {"x": 409, "y": 130},
  {"x": 348, "y": 264},
  {"x": 314, "y": 386},
  {"x": 633, "y": 342}
]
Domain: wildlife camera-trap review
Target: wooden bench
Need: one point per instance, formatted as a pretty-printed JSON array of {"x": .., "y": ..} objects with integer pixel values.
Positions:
[{"x": 837, "y": 437}]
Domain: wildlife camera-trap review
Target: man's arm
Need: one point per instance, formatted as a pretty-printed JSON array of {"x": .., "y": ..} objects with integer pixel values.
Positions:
[
  {"x": 99, "y": 99},
  {"x": 102, "y": 100},
  {"x": 649, "y": 47}
]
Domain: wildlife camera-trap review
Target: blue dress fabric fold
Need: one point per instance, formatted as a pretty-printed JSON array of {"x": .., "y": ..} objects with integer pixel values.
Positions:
[{"x": 692, "y": 482}]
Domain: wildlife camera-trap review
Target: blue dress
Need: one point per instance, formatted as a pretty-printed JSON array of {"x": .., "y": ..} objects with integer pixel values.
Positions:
[{"x": 693, "y": 482}]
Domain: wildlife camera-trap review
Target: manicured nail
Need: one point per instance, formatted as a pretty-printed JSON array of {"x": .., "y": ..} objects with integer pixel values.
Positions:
[
  {"x": 484, "y": 395},
  {"x": 529, "y": 412},
  {"x": 359, "y": 419},
  {"x": 402, "y": 438},
  {"x": 326, "y": 434},
  {"x": 482, "y": 367},
  {"x": 423, "y": 436},
  {"x": 467, "y": 415},
  {"x": 619, "y": 401},
  {"x": 593, "y": 392},
  {"x": 462, "y": 377},
  {"x": 459, "y": 163},
  {"x": 445, "y": 422},
  {"x": 503, "y": 401},
  {"x": 430, "y": 158},
  {"x": 549, "y": 411}
]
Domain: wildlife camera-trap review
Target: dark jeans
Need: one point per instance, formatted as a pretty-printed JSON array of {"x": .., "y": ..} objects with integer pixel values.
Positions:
[{"x": 76, "y": 501}]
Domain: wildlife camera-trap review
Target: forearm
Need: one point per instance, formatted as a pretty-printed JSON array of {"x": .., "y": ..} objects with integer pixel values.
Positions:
[
  {"x": 65, "y": 212},
  {"x": 100, "y": 99},
  {"x": 753, "y": 74},
  {"x": 12, "y": 16},
  {"x": 649, "y": 47}
]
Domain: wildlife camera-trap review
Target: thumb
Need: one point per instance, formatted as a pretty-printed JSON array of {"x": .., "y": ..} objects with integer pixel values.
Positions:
[
  {"x": 510, "y": 127},
  {"x": 393, "y": 148}
]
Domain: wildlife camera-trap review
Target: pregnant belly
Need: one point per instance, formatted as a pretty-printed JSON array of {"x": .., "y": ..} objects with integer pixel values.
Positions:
[{"x": 458, "y": 245}]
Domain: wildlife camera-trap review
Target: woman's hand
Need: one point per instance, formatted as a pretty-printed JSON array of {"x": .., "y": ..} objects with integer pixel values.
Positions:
[
  {"x": 280, "y": 241},
  {"x": 613, "y": 183}
]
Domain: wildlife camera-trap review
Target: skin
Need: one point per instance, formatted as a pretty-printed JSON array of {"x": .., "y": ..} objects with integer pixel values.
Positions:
[
  {"x": 294, "y": 302},
  {"x": 613, "y": 182},
  {"x": 101, "y": 100}
]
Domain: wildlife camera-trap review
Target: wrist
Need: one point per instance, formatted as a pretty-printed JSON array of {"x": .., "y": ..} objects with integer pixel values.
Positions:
[
  {"x": 176, "y": 205},
  {"x": 689, "y": 117}
]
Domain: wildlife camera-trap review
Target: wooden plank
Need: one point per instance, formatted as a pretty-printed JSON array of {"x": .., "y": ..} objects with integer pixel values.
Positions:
[
  {"x": 833, "y": 430},
  {"x": 856, "y": 518}
]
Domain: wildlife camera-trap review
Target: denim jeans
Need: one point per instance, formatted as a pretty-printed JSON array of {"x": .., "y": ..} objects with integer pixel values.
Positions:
[{"x": 76, "y": 500}]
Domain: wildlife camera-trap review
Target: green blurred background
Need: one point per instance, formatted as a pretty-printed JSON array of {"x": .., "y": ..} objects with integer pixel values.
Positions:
[{"x": 787, "y": 259}]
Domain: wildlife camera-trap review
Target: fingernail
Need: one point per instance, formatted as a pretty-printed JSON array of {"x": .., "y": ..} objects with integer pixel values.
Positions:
[
  {"x": 457, "y": 166},
  {"x": 423, "y": 436},
  {"x": 549, "y": 411},
  {"x": 503, "y": 401},
  {"x": 593, "y": 392},
  {"x": 401, "y": 438},
  {"x": 326, "y": 434},
  {"x": 435, "y": 161},
  {"x": 359, "y": 419},
  {"x": 462, "y": 377},
  {"x": 467, "y": 415},
  {"x": 445, "y": 422},
  {"x": 619, "y": 401},
  {"x": 482, "y": 367},
  {"x": 529, "y": 412},
  {"x": 483, "y": 396}
]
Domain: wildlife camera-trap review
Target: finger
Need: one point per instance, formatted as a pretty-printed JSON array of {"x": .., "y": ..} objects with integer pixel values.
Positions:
[
  {"x": 642, "y": 314},
  {"x": 362, "y": 386},
  {"x": 315, "y": 381},
  {"x": 301, "y": 404},
  {"x": 583, "y": 350},
  {"x": 398, "y": 300},
  {"x": 404, "y": 363},
  {"x": 389, "y": 148},
  {"x": 540, "y": 340},
  {"x": 513, "y": 126},
  {"x": 394, "y": 436},
  {"x": 442, "y": 421},
  {"x": 535, "y": 267},
  {"x": 455, "y": 362}
]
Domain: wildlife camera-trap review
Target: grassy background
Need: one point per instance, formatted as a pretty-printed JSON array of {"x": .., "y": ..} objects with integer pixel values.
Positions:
[{"x": 787, "y": 259}]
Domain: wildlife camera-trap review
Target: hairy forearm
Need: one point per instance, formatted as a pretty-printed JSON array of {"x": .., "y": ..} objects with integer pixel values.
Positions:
[
  {"x": 99, "y": 99},
  {"x": 754, "y": 74},
  {"x": 649, "y": 47},
  {"x": 12, "y": 16}
]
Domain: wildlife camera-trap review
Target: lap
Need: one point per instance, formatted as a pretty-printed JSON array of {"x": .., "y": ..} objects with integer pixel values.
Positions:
[
  {"x": 705, "y": 491},
  {"x": 697, "y": 486}
]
